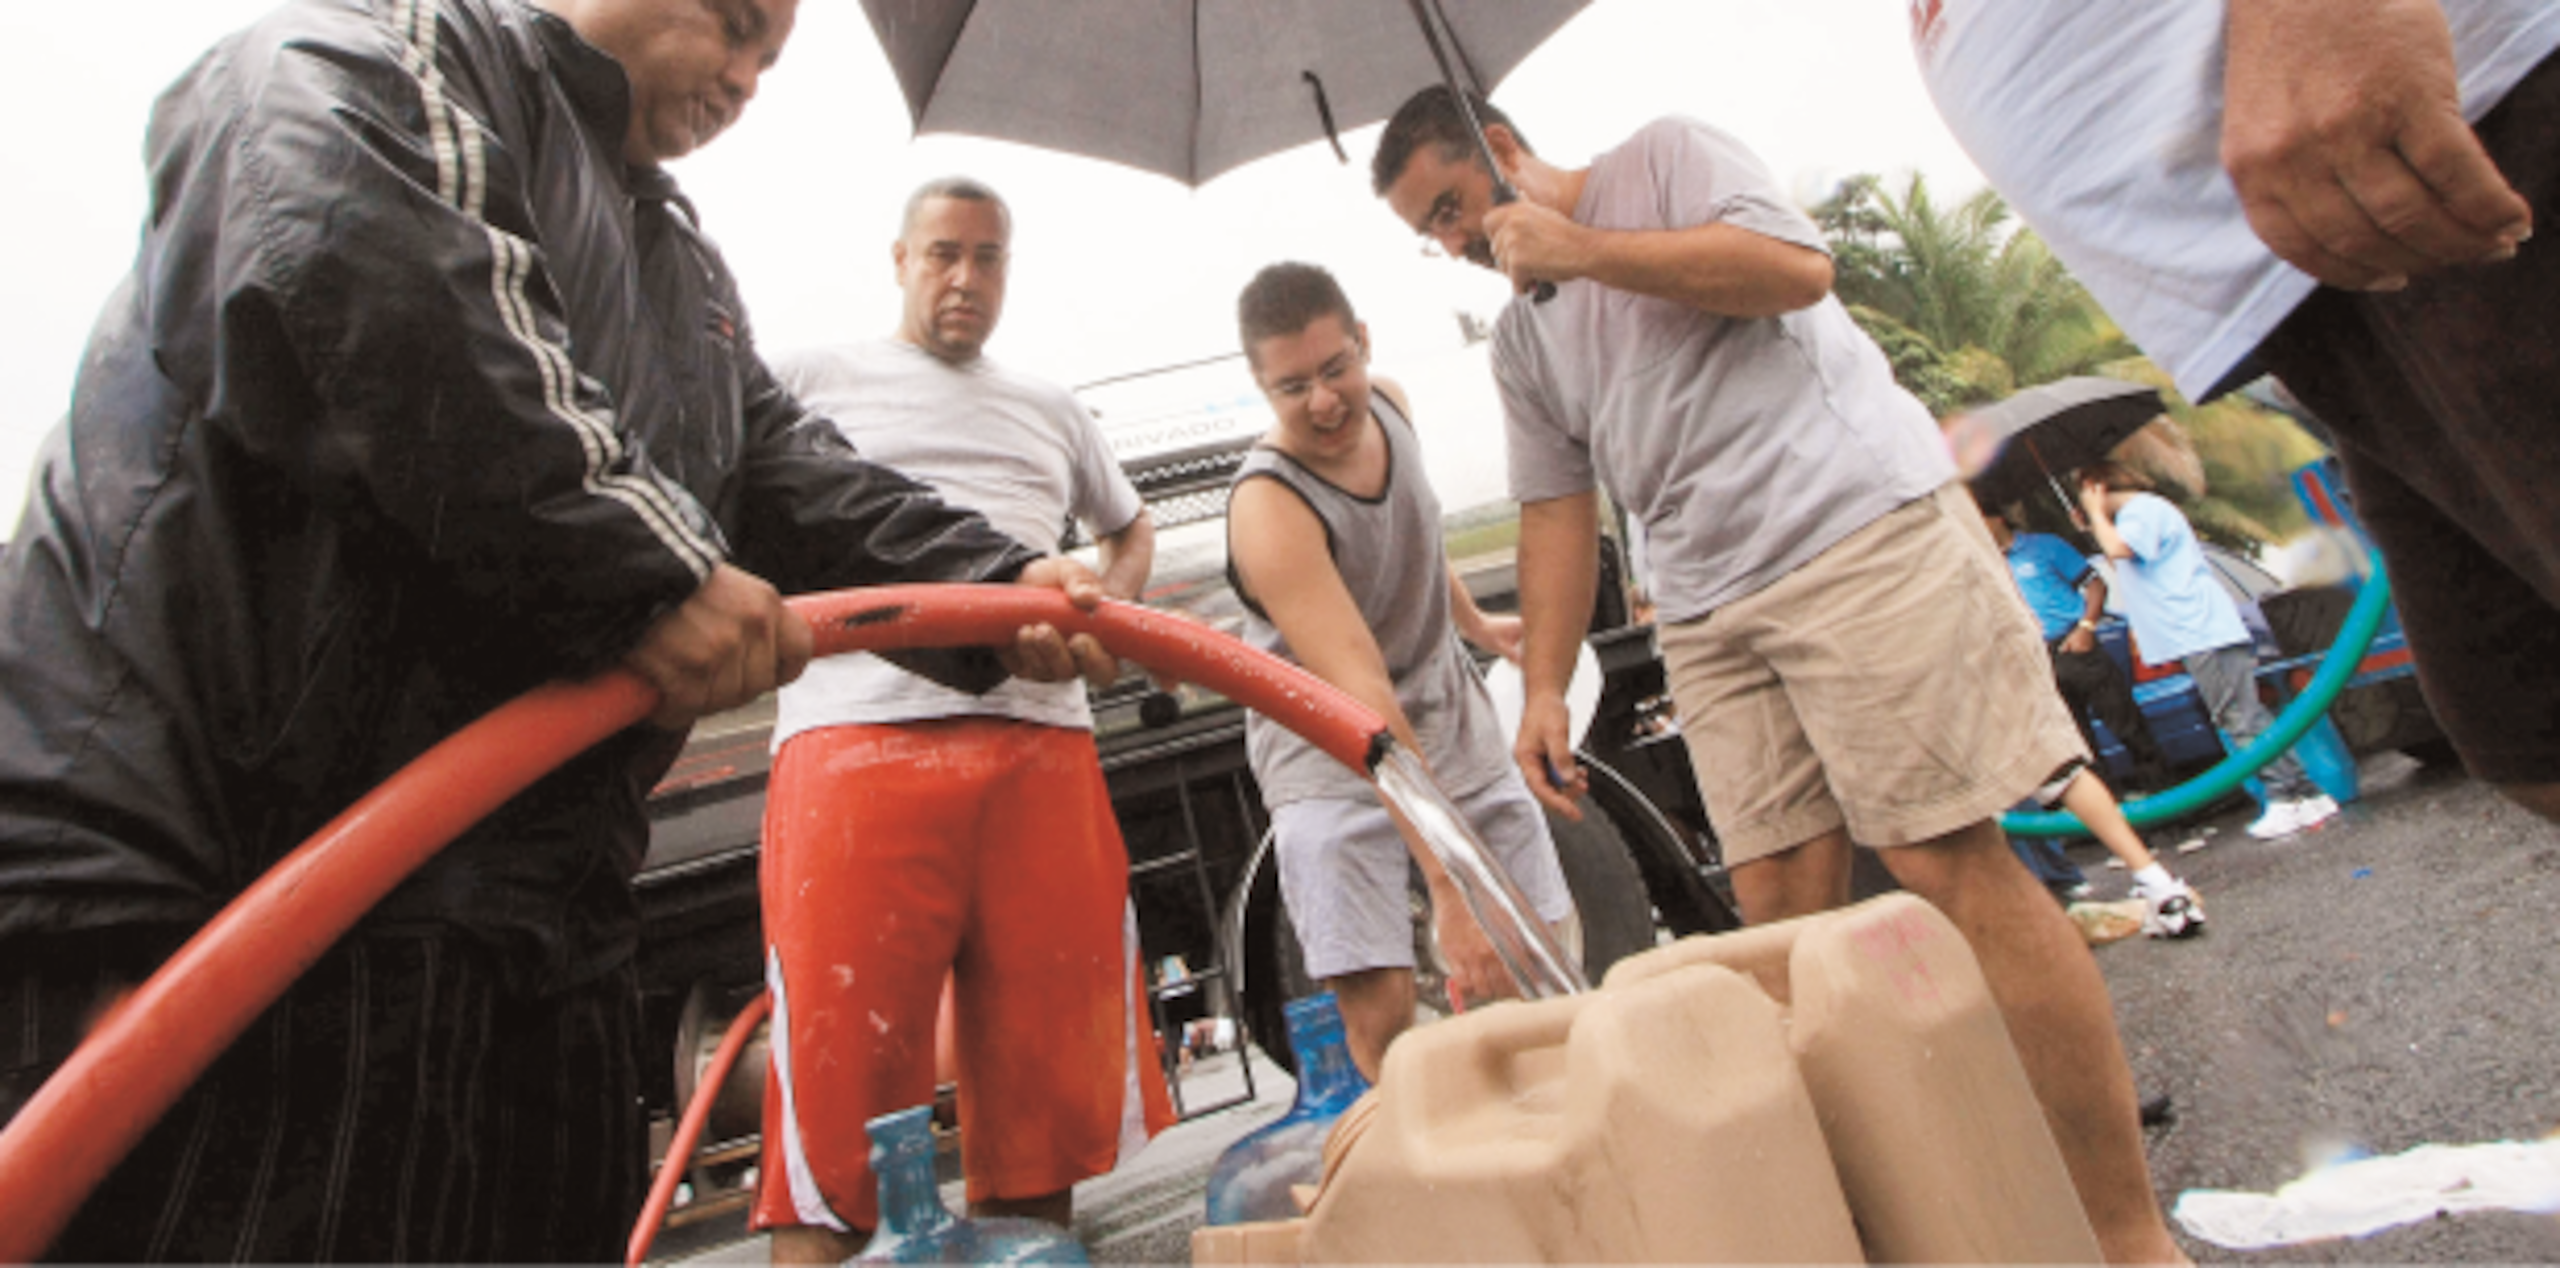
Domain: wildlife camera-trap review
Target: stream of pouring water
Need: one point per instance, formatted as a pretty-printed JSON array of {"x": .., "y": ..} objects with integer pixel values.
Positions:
[{"x": 1538, "y": 966}]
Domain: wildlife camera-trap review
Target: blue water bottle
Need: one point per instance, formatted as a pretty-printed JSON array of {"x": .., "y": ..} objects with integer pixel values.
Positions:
[
  {"x": 916, "y": 1228},
  {"x": 1251, "y": 1182},
  {"x": 2325, "y": 757}
]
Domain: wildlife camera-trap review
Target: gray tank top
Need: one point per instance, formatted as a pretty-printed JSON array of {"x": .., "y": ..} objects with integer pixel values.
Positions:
[{"x": 1389, "y": 552}]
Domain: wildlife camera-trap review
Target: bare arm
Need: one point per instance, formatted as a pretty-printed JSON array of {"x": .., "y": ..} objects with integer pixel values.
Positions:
[
  {"x": 2093, "y": 593},
  {"x": 1127, "y": 557},
  {"x": 1559, "y": 573},
  {"x": 1497, "y": 634},
  {"x": 2102, "y": 521},
  {"x": 2347, "y": 143},
  {"x": 1715, "y": 268},
  {"x": 2093, "y": 599},
  {"x": 1279, "y": 549},
  {"x": 1039, "y": 652}
]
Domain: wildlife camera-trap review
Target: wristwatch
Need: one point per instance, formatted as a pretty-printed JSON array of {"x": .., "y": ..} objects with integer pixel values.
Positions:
[{"x": 2089, "y": 625}]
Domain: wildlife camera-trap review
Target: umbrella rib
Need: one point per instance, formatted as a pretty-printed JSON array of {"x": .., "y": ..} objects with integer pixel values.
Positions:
[
  {"x": 1324, "y": 114},
  {"x": 1198, "y": 94}
]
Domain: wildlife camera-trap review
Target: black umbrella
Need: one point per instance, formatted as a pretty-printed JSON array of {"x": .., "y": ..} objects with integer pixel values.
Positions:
[
  {"x": 1192, "y": 88},
  {"x": 2011, "y": 448}
]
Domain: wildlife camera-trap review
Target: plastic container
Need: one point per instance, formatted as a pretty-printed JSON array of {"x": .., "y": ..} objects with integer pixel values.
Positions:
[
  {"x": 1275, "y": 1242},
  {"x": 1661, "y": 1121},
  {"x": 1254, "y": 1177},
  {"x": 2326, "y": 758},
  {"x": 1941, "y": 1147},
  {"x": 916, "y": 1228}
]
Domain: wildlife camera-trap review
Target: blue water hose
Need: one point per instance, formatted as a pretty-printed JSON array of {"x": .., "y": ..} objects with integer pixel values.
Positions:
[{"x": 2337, "y": 666}]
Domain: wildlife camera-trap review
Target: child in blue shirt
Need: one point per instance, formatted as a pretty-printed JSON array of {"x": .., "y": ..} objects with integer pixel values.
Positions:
[{"x": 2179, "y": 612}]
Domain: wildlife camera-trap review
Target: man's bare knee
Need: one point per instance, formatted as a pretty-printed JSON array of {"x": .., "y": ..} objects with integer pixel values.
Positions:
[
  {"x": 1969, "y": 869},
  {"x": 1811, "y": 876}
]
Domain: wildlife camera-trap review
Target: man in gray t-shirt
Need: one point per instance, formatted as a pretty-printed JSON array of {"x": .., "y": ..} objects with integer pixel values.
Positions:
[{"x": 1849, "y": 658}]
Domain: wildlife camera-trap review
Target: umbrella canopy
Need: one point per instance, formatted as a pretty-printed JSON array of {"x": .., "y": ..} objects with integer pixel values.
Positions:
[
  {"x": 2034, "y": 437},
  {"x": 1188, "y": 88}
]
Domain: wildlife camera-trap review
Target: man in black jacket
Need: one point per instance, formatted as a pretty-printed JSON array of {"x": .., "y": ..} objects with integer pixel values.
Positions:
[{"x": 424, "y": 389}]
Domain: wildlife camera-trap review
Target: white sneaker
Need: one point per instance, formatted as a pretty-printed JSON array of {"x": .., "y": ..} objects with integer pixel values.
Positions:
[
  {"x": 2312, "y": 811},
  {"x": 2171, "y": 911},
  {"x": 2280, "y": 819}
]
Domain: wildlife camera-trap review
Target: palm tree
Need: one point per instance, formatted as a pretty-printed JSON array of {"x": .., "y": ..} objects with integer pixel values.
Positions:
[
  {"x": 1963, "y": 291},
  {"x": 1970, "y": 306}
]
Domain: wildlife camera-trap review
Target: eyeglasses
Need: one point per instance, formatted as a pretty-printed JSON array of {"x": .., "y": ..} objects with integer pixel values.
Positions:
[
  {"x": 1332, "y": 374},
  {"x": 1442, "y": 217}
]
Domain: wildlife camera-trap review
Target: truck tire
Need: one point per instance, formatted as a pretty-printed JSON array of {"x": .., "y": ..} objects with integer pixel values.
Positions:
[
  {"x": 1609, "y": 897},
  {"x": 1683, "y": 871},
  {"x": 1615, "y": 920}
]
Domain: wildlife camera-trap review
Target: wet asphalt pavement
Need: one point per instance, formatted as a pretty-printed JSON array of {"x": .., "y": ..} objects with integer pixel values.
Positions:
[{"x": 2377, "y": 984}]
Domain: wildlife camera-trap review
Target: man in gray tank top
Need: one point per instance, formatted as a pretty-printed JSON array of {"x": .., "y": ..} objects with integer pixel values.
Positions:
[
  {"x": 1333, "y": 541},
  {"x": 1850, "y": 660}
]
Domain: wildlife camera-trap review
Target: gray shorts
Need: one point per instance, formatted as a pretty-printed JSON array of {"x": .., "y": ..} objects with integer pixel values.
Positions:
[{"x": 1344, "y": 870}]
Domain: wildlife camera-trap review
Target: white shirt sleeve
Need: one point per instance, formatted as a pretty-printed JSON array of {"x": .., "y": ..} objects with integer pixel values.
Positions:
[
  {"x": 1546, "y": 461},
  {"x": 1104, "y": 497},
  {"x": 2145, "y": 525}
]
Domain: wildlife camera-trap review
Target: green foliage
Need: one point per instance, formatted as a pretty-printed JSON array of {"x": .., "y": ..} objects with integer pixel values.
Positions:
[
  {"x": 1983, "y": 298},
  {"x": 1486, "y": 538},
  {"x": 1970, "y": 307},
  {"x": 1917, "y": 363}
]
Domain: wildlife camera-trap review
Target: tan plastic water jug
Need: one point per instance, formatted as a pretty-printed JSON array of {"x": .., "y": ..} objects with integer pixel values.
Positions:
[
  {"x": 1941, "y": 1145},
  {"x": 1662, "y": 1121},
  {"x": 1271, "y": 1242}
]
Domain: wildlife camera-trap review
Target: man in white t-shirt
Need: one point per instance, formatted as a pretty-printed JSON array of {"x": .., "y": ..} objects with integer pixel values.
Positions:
[
  {"x": 913, "y": 831},
  {"x": 1849, "y": 658},
  {"x": 2344, "y": 198}
]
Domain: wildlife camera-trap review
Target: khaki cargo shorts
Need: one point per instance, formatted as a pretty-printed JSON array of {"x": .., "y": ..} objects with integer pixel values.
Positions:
[{"x": 1895, "y": 685}]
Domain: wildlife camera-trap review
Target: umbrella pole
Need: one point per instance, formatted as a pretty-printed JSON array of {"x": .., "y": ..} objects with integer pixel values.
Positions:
[
  {"x": 1427, "y": 15},
  {"x": 2069, "y": 506}
]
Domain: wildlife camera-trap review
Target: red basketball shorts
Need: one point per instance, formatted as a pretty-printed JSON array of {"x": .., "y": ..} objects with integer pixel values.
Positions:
[{"x": 979, "y": 848}]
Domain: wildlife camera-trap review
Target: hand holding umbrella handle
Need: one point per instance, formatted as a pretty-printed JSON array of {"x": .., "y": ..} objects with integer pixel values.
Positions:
[
  {"x": 1541, "y": 291},
  {"x": 1426, "y": 15}
]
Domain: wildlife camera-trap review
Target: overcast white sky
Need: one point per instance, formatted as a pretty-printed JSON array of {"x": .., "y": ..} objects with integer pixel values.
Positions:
[{"x": 1115, "y": 271}]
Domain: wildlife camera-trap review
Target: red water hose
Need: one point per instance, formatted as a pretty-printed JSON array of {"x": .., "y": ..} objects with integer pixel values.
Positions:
[
  {"x": 662, "y": 1191},
  {"x": 146, "y": 1053}
]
